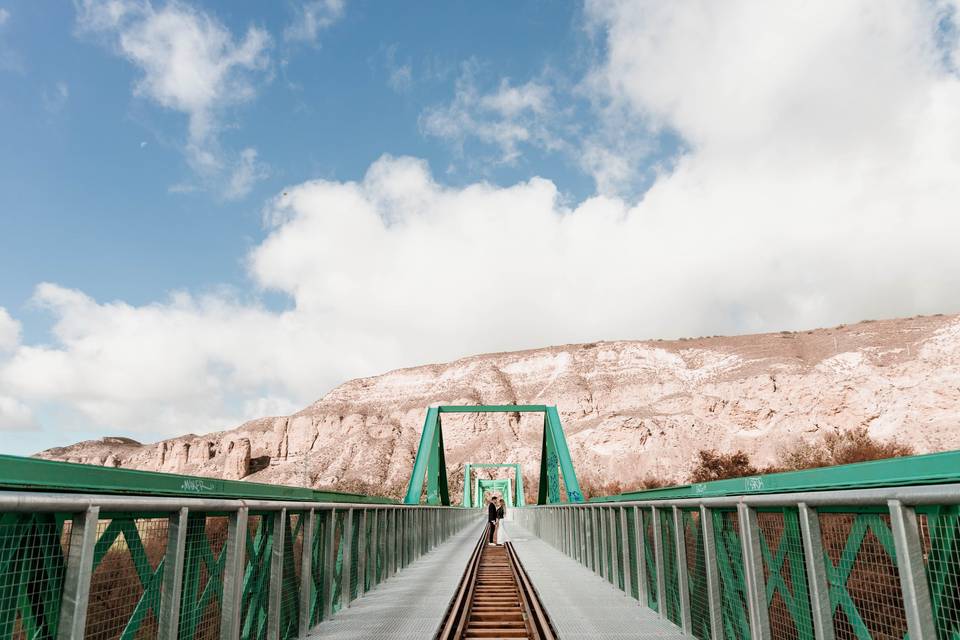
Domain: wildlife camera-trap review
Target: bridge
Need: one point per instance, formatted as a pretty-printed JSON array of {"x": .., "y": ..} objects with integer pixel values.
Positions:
[{"x": 864, "y": 551}]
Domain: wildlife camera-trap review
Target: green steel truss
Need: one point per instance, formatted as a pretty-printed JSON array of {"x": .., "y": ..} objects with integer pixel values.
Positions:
[
  {"x": 513, "y": 498},
  {"x": 554, "y": 459},
  {"x": 497, "y": 485}
]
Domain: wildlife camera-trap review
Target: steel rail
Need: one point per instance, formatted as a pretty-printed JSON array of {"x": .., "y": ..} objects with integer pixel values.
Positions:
[{"x": 536, "y": 615}]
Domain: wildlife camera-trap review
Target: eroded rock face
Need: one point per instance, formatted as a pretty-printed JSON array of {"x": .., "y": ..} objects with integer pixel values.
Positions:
[{"x": 630, "y": 409}]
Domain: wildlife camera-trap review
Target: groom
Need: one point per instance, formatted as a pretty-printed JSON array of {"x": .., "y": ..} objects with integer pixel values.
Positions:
[{"x": 492, "y": 518}]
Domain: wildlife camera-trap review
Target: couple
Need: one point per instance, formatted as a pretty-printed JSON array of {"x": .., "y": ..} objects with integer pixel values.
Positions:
[{"x": 494, "y": 516}]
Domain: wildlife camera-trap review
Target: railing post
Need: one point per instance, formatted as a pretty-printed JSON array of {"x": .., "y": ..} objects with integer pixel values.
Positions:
[
  {"x": 625, "y": 569},
  {"x": 276, "y": 574},
  {"x": 329, "y": 562},
  {"x": 306, "y": 572},
  {"x": 641, "y": 556},
  {"x": 76, "y": 583},
  {"x": 375, "y": 548},
  {"x": 391, "y": 562},
  {"x": 753, "y": 570},
  {"x": 362, "y": 554},
  {"x": 913, "y": 580},
  {"x": 594, "y": 542},
  {"x": 658, "y": 561},
  {"x": 612, "y": 537},
  {"x": 604, "y": 567},
  {"x": 816, "y": 573},
  {"x": 169, "y": 622},
  {"x": 680, "y": 538},
  {"x": 582, "y": 523},
  {"x": 710, "y": 566},
  {"x": 233, "y": 570},
  {"x": 347, "y": 563}
]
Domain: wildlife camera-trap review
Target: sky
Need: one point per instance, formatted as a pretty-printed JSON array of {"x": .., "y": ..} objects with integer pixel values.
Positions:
[{"x": 216, "y": 211}]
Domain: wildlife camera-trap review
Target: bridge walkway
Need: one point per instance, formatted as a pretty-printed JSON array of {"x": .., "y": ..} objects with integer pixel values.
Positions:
[
  {"x": 580, "y": 603},
  {"x": 410, "y": 605}
]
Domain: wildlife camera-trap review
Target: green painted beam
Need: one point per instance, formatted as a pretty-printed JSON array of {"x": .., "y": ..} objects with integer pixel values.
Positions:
[
  {"x": 494, "y": 408},
  {"x": 422, "y": 461},
  {"x": 33, "y": 474},
  {"x": 933, "y": 468}
]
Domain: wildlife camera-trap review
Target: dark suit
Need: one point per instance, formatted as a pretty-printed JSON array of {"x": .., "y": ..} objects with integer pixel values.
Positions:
[{"x": 491, "y": 518}]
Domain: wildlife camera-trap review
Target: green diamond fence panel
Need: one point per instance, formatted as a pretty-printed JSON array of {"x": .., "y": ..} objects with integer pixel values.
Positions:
[
  {"x": 127, "y": 574},
  {"x": 317, "y": 556},
  {"x": 734, "y": 614},
  {"x": 669, "y": 552},
  {"x": 33, "y": 550},
  {"x": 203, "y": 562},
  {"x": 860, "y": 562},
  {"x": 787, "y": 595},
  {"x": 338, "y": 565},
  {"x": 355, "y": 557},
  {"x": 290, "y": 592},
  {"x": 696, "y": 574},
  {"x": 632, "y": 549},
  {"x": 256, "y": 578},
  {"x": 940, "y": 534},
  {"x": 653, "y": 599}
]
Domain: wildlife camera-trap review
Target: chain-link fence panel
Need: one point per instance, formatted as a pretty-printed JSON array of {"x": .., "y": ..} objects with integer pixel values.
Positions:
[
  {"x": 696, "y": 574},
  {"x": 860, "y": 561}
]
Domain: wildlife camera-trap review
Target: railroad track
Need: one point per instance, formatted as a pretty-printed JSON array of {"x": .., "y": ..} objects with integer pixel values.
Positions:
[{"x": 495, "y": 599}]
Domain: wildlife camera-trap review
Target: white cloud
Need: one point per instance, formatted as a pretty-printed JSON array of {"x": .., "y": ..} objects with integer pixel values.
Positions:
[
  {"x": 507, "y": 118},
  {"x": 818, "y": 185},
  {"x": 399, "y": 76},
  {"x": 15, "y": 415},
  {"x": 4, "y": 16},
  {"x": 247, "y": 171},
  {"x": 189, "y": 62},
  {"x": 312, "y": 18},
  {"x": 9, "y": 331}
]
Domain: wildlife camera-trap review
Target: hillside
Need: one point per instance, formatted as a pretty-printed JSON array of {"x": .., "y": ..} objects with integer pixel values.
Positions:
[{"x": 630, "y": 409}]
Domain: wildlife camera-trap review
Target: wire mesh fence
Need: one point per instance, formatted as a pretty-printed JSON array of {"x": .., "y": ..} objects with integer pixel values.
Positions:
[
  {"x": 785, "y": 577},
  {"x": 127, "y": 574},
  {"x": 203, "y": 565},
  {"x": 860, "y": 561},
  {"x": 33, "y": 551},
  {"x": 734, "y": 614},
  {"x": 653, "y": 595},
  {"x": 185, "y": 573},
  {"x": 940, "y": 538},
  {"x": 668, "y": 551},
  {"x": 696, "y": 574}
]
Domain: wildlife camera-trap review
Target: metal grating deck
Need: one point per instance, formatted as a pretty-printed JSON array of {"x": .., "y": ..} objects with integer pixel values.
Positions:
[
  {"x": 580, "y": 603},
  {"x": 410, "y": 604}
]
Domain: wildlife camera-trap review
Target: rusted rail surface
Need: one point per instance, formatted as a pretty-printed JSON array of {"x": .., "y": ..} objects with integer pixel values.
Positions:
[{"x": 495, "y": 599}]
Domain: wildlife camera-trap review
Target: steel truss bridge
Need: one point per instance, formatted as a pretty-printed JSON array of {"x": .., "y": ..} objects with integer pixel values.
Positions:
[{"x": 864, "y": 551}]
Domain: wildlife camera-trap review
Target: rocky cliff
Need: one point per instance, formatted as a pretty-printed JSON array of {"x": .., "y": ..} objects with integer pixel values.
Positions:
[{"x": 631, "y": 409}]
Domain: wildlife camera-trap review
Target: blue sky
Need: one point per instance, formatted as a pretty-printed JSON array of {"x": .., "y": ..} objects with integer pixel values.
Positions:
[{"x": 213, "y": 211}]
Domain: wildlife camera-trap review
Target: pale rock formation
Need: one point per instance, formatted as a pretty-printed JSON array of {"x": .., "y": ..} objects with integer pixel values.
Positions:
[{"x": 630, "y": 409}]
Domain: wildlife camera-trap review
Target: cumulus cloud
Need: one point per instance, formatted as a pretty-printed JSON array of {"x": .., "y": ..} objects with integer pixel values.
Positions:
[
  {"x": 189, "y": 62},
  {"x": 312, "y": 18},
  {"x": 816, "y": 184},
  {"x": 507, "y": 117},
  {"x": 9, "y": 331}
]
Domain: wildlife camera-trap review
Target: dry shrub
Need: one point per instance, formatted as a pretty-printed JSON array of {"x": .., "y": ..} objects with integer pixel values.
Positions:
[
  {"x": 844, "y": 447},
  {"x": 720, "y": 466}
]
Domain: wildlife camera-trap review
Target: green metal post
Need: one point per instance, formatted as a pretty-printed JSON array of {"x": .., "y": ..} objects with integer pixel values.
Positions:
[{"x": 430, "y": 425}]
